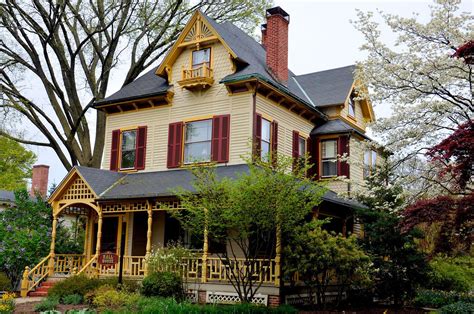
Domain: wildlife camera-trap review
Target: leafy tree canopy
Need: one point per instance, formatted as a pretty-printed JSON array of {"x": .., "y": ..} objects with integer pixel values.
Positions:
[
  {"x": 71, "y": 50},
  {"x": 15, "y": 164}
]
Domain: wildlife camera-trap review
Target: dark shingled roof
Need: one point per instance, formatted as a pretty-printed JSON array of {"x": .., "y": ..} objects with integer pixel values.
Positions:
[
  {"x": 114, "y": 186},
  {"x": 336, "y": 127},
  {"x": 330, "y": 87},
  {"x": 162, "y": 183},
  {"x": 7, "y": 196},
  {"x": 99, "y": 180},
  {"x": 320, "y": 88},
  {"x": 149, "y": 84},
  {"x": 332, "y": 197}
]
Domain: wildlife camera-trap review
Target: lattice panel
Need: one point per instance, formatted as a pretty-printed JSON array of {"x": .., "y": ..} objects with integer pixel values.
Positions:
[
  {"x": 230, "y": 298},
  {"x": 78, "y": 190},
  {"x": 125, "y": 207},
  {"x": 75, "y": 210},
  {"x": 192, "y": 296},
  {"x": 172, "y": 204}
]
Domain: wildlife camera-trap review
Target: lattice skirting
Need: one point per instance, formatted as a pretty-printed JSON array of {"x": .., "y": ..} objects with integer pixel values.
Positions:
[
  {"x": 304, "y": 298},
  {"x": 192, "y": 296},
  {"x": 230, "y": 298}
]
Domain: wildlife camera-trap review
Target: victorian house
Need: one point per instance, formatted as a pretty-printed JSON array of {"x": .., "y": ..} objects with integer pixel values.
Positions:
[{"x": 216, "y": 96}]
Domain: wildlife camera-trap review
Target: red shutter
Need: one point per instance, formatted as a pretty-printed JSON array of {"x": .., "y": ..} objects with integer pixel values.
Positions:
[
  {"x": 220, "y": 138},
  {"x": 258, "y": 136},
  {"x": 114, "y": 150},
  {"x": 343, "y": 149},
  {"x": 175, "y": 139},
  {"x": 296, "y": 148},
  {"x": 274, "y": 153},
  {"x": 140, "y": 148}
]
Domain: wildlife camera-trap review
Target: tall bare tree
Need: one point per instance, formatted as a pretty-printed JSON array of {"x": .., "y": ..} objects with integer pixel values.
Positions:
[{"x": 73, "y": 48}]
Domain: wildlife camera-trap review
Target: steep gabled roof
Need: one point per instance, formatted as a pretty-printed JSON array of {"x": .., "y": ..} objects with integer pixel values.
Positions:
[
  {"x": 99, "y": 180},
  {"x": 329, "y": 87},
  {"x": 318, "y": 89},
  {"x": 336, "y": 126}
]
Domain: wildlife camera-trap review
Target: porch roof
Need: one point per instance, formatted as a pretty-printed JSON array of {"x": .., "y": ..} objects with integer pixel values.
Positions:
[{"x": 109, "y": 185}]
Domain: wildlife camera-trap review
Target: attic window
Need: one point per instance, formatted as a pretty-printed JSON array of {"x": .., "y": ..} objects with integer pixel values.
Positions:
[
  {"x": 201, "y": 57},
  {"x": 352, "y": 107}
]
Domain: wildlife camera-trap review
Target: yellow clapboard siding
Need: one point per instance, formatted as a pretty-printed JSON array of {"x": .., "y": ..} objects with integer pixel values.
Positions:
[{"x": 287, "y": 122}]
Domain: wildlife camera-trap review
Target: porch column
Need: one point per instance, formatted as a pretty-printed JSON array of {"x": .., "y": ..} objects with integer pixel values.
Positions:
[
  {"x": 148, "y": 236},
  {"x": 205, "y": 249},
  {"x": 53, "y": 242},
  {"x": 86, "y": 238},
  {"x": 278, "y": 257},
  {"x": 99, "y": 233}
]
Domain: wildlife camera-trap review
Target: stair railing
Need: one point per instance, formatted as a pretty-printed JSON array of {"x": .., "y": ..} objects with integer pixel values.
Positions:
[
  {"x": 89, "y": 269},
  {"x": 33, "y": 277}
]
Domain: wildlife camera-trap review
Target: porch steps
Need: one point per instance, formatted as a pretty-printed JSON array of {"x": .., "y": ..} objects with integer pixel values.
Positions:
[{"x": 42, "y": 290}]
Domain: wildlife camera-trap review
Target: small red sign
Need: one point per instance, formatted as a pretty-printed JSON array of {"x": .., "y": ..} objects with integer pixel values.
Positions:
[{"x": 108, "y": 258}]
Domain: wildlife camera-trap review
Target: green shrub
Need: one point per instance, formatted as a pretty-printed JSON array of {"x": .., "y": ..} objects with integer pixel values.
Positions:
[
  {"x": 452, "y": 273},
  {"x": 457, "y": 308},
  {"x": 168, "y": 258},
  {"x": 48, "y": 304},
  {"x": 5, "y": 283},
  {"x": 163, "y": 306},
  {"x": 108, "y": 298},
  {"x": 163, "y": 284},
  {"x": 437, "y": 298},
  {"x": 74, "y": 299},
  {"x": 77, "y": 285},
  {"x": 81, "y": 311}
]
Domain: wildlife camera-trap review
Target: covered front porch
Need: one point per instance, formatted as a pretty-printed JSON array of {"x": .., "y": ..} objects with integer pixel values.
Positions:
[{"x": 133, "y": 227}]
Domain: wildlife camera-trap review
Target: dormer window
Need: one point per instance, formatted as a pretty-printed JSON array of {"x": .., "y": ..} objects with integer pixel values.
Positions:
[
  {"x": 352, "y": 106},
  {"x": 201, "y": 57},
  {"x": 199, "y": 74}
]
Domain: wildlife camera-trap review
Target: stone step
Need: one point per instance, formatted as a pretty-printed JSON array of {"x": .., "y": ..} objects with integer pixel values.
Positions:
[{"x": 38, "y": 293}]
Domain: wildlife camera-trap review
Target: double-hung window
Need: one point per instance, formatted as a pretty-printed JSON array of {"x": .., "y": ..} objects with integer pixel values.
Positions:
[
  {"x": 329, "y": 158},
  {"x": 197, "y": 142},
  {"x": 301, "y": 151},
  {"x": 128, "y": 149},
  {"x": 266, "y": 140}
]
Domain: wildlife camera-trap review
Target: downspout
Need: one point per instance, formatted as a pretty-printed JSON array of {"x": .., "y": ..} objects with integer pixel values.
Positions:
[{"x": 254, "y": 121}]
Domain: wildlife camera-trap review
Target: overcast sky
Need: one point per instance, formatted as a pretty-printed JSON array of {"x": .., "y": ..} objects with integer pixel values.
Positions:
[{"x": 320, "y": 37}]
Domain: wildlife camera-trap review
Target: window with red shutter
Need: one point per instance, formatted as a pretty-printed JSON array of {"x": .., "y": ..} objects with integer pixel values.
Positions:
[
  {"x": 343, "y": 150},
  {"x": 141, "y": 148},
  {"x": 175, "y": 140},
  {"x": 220, "y": 138},
  {"x": 295, "y": 151},
  {"x": 114, "y": 151},
  {"x": 274, "y": 138}
]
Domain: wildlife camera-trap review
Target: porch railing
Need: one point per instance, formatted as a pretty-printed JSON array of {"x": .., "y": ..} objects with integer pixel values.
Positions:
[
  {"x": 90, "y": 268},
  {"x": 33, "y": 277},
  {"x": 133, "y": 266},
  {"x": 261, "y": 270},
  {"x": 65, "y": 264}
]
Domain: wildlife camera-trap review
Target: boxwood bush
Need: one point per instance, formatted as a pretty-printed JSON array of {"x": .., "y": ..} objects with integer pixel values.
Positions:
[
  {"x": 80, "y": 285},
  {"x": 164, "y": 284}
]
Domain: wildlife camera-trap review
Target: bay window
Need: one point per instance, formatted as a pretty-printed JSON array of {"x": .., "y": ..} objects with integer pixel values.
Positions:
[
  {"x": 266, "y": 140},
  {"x": 329, "y": 158}
]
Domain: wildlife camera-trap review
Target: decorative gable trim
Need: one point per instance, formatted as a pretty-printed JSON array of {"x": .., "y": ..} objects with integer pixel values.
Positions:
[
  {"x": 198, "y": 31},
  {"x": 365, "y": 104}
]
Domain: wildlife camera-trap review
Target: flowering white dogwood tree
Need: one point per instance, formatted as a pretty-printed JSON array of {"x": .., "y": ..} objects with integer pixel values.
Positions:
[{"x": 426, "y": 76}]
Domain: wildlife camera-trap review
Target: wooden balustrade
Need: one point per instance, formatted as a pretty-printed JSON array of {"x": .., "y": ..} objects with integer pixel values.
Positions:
[
  {"x": 202, "y": 76},
  {"x": 133, "y": 266},
  {"x": 90, "y": 268},
  {"x": 66, "y": 263},
  {"x": 262, "y": 270}
]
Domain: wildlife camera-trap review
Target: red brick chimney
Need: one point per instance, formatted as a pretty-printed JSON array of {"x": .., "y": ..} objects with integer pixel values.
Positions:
[
  {"x": 39, "y": 180},
  {"x": 276, "y": 42}
]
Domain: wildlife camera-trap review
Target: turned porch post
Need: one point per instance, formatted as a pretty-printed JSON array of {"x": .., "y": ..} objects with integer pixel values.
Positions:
[
  {"x": 99, "y": 233},
  {"x": 278, "y": 257},
  {"x": 53, "y": 240},
  {"x": 148, "y": 236},
  {"x": 205, "y": 249}
]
